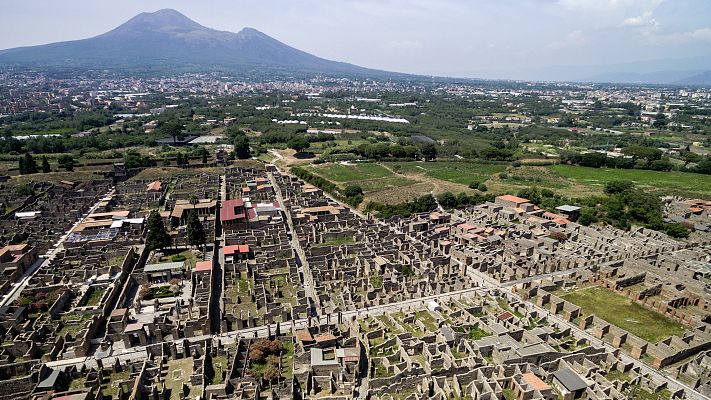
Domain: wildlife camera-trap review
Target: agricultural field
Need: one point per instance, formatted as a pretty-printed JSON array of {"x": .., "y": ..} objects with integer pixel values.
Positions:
[
  {"x": 672, "y": 182},
  {"x": 624, "y": 313},
  {"x": 342, "y": 173},
  {"x": 451, "y": 171}
]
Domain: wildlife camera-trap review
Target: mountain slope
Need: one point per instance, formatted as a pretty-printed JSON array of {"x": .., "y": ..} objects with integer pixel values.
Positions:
[
  {"x": 702, "y": 79},
  {"x": 170, "y": 39}
]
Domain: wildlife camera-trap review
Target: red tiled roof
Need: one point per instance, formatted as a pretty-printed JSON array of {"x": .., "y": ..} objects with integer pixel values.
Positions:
[
  {"x": 535, "y": 381},
  {"x": 154, "y": 186},
  {"x": 203, "y": 266},
  {"x": 506, "y": 315},
  {"x": 466, "y": 227},
  {"x": 304, "y": 335},
  {"x": 325, "y": 337},
  {"x": 228, "y": 212},
  {"x": 512, "y": 199},
  {"x": 236, "y": 249}
]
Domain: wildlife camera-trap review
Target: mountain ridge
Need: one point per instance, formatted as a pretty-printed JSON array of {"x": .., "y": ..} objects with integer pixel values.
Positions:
[{"x": 168, "y": 38}]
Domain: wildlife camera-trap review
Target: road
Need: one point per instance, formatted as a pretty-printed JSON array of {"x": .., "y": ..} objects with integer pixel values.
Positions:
[
  {"x": 46, "y": 259},
  {"x": 309, "y": 287}
]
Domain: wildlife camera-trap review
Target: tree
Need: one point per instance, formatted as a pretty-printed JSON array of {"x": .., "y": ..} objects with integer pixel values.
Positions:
[
  {"x": 298, "y": 143},
  {"x": 204, "y": 154},
  {"x": 482, "y": 187},
  {"x": 447, "y": 200},
  {"x": 157, "y": 236},
  {"x": 352, "y": 191},
  {"x": 689, "y": 157},
  {"x": 27, "y": 164},
  {"x": 241, "y": 147},
  {"x": 429, "y": 152},
  {"x": 173, "y": 129},
  {"x": 614, "y": 187},
  {"x": 194, "y": 230},
  {"x": 45, "y": 165},
  {"x": 642, "y": 152},
  {"x": 67, "y": 162},
  {"x": 660, "y": 121}
]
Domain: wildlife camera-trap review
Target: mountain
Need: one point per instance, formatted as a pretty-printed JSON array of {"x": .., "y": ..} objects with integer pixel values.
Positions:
[
  {"x": 702, "y": 79},
  {"x": 169, "y": 39}
]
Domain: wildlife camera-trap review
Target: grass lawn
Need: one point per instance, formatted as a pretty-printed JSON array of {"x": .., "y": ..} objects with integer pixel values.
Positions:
[
  {"x": 624, "y": 313},
  {"x": 451, "y": 171},
  {"x": 350, "y": 172},
  {"x": 670, "y": 182}
]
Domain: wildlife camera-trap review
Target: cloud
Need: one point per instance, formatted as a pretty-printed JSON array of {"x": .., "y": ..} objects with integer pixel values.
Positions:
[
  {"x": 574, "y": 38},
  {"x": 599, "y": 5},
  {"x": 700, "y": 35},
  {"x": 644, "y": 20}
]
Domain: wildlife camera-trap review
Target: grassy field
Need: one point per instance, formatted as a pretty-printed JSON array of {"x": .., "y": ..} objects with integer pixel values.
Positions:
[
  {"x": 342, "y": 173},
  {"x": 624, "y": 313},
  {"x": 450, "y": 171},
  {"x": 670, "y": 182}
]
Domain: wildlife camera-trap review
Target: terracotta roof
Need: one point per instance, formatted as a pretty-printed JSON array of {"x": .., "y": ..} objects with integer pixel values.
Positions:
[
  {"x": 535, "y": 381},
  {"x": 134, "y": 327},
  {"x": 466, "y": 227},
  {"x": 512, "y": 199},
  {"x": 203, "y": 266},
  {"x": 506, "y": 315},
  {"x": 236, "y": 249},
  {"x": 304, "y": 335},
  {"x": 228, "y": 211},
  {"x": 154, "y": 186},
  {"x": 325, "y": 337}
]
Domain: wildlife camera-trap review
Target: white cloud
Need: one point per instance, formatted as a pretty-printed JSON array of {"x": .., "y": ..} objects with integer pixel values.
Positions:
[
  {"x": 601, "y": 5},
  {"x": 641, "y": 20},
  {"x": 574, "y": 38},
  {"x": 698, "y": 35}
]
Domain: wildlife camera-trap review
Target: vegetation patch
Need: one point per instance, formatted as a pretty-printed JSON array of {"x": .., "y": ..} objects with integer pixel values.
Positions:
[{"x": 625, "y": 314}]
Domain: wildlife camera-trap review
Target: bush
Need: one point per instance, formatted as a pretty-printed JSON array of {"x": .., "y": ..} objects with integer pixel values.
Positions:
[
  {"x": 482, "y": 187},
  {"x": 24, "y": 190},
  {"x": 615, "y": 187},
  {"x": 352, "y": 191},
  {"x": 178, "y": 258},
  {"x": 474, "y": 185}
]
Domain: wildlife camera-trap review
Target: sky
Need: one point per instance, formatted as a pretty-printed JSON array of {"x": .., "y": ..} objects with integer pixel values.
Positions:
[{"x": 463, "y": 38}]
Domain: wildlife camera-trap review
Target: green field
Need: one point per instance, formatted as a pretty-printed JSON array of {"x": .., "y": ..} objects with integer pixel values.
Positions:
[
  {"x": 350, "y": 172},
  {"x": 671, "y": 182},
  {"x": 450, "y": 171},
  {"x": 376, "y": 185},
  {"x": 624, "y": 313}
]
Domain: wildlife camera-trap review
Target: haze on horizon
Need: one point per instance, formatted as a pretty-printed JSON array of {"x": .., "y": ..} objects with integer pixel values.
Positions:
[{"x": 522, "y": 39}]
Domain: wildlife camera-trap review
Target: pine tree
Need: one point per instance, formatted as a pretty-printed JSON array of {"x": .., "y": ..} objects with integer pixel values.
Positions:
[
  {"x": 45, "y": 165},
  {"x": 30, "y": 167},
  {"x": 157, "y": 236},
  {"x": 195, "y": 231}
]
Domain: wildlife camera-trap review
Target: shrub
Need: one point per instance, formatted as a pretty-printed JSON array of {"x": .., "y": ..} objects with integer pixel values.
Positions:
[{"x": 178, "y": 258}]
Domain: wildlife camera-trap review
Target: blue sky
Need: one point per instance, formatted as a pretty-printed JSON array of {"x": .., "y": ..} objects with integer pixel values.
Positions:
[{"x": 478, "y": 38}]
